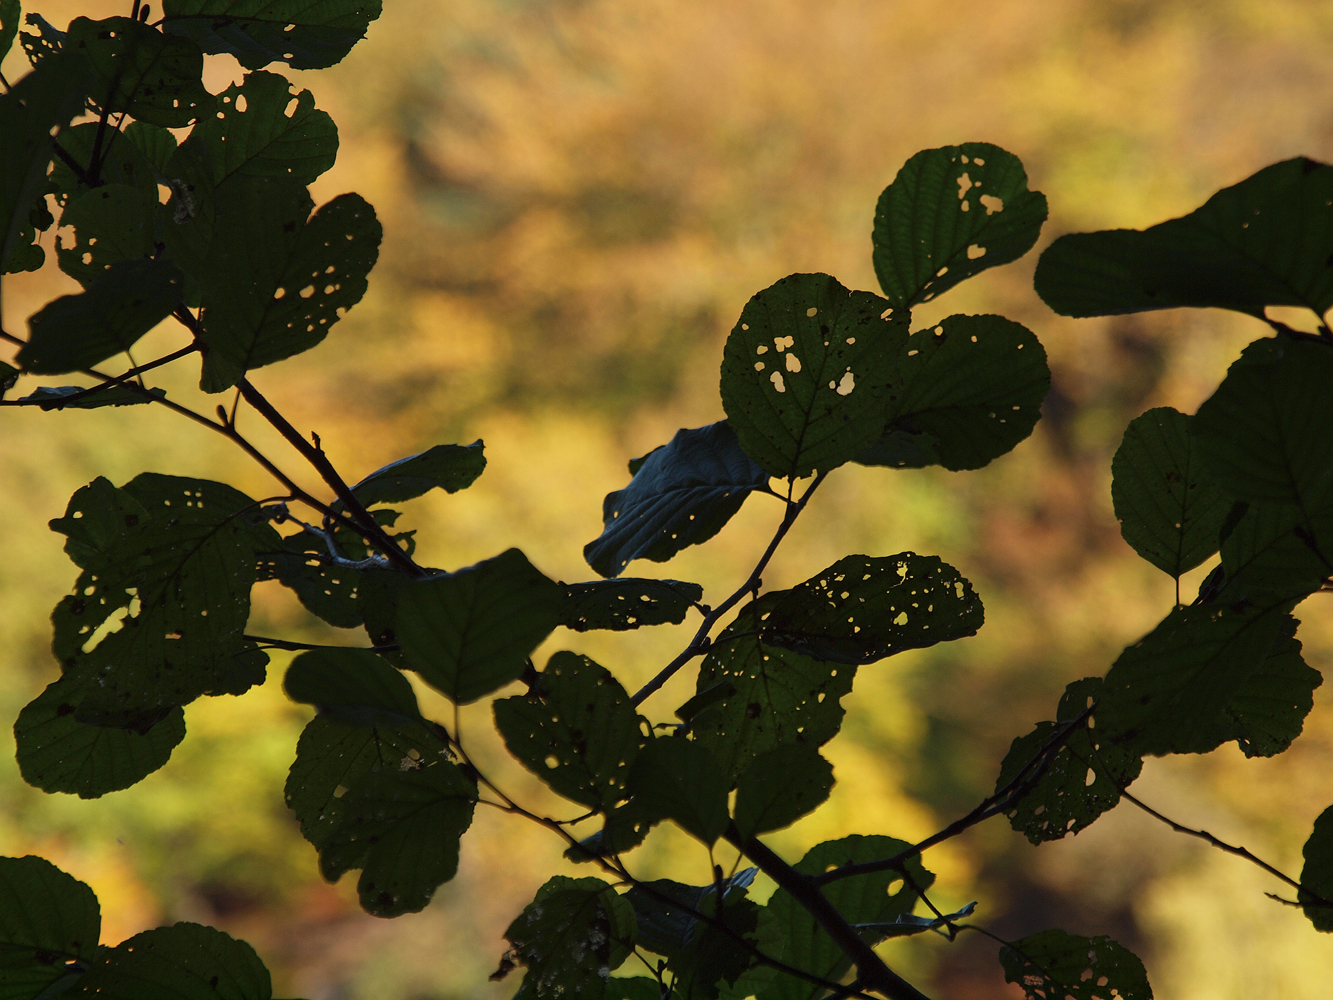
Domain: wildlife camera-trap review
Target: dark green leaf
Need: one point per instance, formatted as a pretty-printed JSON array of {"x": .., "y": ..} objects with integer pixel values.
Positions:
[
  {"x": 680, "y": 780},
  {"x": 47, "y": 918},
  {"x": 779, "y": 787},
  {"x": 625, "y": 828},
  {"x": 181, "y": 962},
  {"x": 469, "y": 633},
  {"x": 861, "y": 899},
  {"x": 662, "y": 910},
  {"x": 253, "y": 133},
  {"x": 131, "y": 158},
  {"x": 120, "y": 305},
  {"x": 302, "y": 34},
  {"x": 681, "y": 495},
  {"x": 1169, "y": 692},
  {"x": 150, "y": 76},
  {"x": 576, "y": 730},
  {"x": 967, "y": 391},
  {"x": 8, "y": 376},
  {"x": 44, "y": 100},
  {"x": 949, "y": 214},
  {"x": 47, "y": 40},
  {"x": 402, "y": 829},
  {"x": 111, "y": 224},
  {"x": 620, "y": 605},
  {"x": 449, "y": 467},
  {"x": 633, "y": 988},
  {"x": 10, "y": 14},
  {"x": 1271, "y": 552},
  {"x": 806, "y": 373},
  {"x": 336, "y": 749},
  {"x": 325, "y": 589},
  {"x": 347, "y": 680},
  {"x": 570, "y": 937},
  {"x": 1081, "y": 780},
  {"x": 1170, "y": 509},
  {"x": 178, "y": 556},
  {"x": 761, "y": 696},
  {"x": 863, "y": 608},
  {"x": 273, "y": 282},
  {"x": 1053, "y": 965},
  {"x": 58, "y": 397},
  {"x": 25, "y": 254},
  {"x": 1268, "y": 710},
  {"x": 1317, "y": 875},
  {"x": 58, "y": 753}
]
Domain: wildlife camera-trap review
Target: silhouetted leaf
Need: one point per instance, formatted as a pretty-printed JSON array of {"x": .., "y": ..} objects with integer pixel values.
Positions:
[
  {"x": 47, "y": 918},
  {"x": 624, "y": 829},
  {"x": 181, "y": 962},
  {"x": 632, "y": 988},
  {"x": 60, "y": 397},
  {"x": 1317, "y": 875},
  {"x": 779, "y": 787},
  {"x": 1082, "y": 780},
  {"x": 58, "y": 753},
  {"x": 861, "y": 899},
  {"x": 1263, "y": 242},
  {"x": 46, "y": 41},
  {"x": 1053, "y": 965},
  {"x": 1171, "y": 509},
  {"x": 570, "y": 937},
  {"x": 967, "y": 391},
  {"x": 150, "y": 76},
  {"x": 680, "y": 780},
  {"x": 131, "y": 158},
  {"x": 620, "y": 605},
  {"x": 576, "y": 730},
  {"x": 681, "y": 495},
  {"x": 949, "y": 214},
  {"x": 470, "y": 633},
  {"x": 10, "y": 14},
  {"x": 1268, "y": 710},
  {"x": 449, "y": 467},
  {"x": 753, "y": 696},
  {"x": 863, "y": 608},
  {"x": 258, "y": 32},
  {"x": 120, "y": 305},
  {"x": 354, "y": 684},
  {"x": 402, "y": 829},
  {"x": 805, "y": 373},
  {"x": 25, "y": 254}
]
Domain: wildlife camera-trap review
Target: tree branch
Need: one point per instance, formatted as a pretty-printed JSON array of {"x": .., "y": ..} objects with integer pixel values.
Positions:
[{"x": 111, "y": 381}]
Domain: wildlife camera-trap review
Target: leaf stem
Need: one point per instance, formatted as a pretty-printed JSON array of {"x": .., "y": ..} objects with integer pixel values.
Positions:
[{"x": 701, "y": 642}]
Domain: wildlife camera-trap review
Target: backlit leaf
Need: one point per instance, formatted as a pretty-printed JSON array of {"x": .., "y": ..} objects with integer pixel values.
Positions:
[
  {"x": 1317, "y": 875},
  {"x": 680, "y": 780},
  {"x": 1268, "y": 710},
  {"x": 620, "y": 605},
  {"x": 779, "y": 787},
  {"x": 10, "y": 13},
  {"x": 61, "y": 397},
  {"x": 349, "y": 680},
  {"x": 180, "y": 962},
  {"x": 449, "y": 467},
  {"x": 150, "y": 76},
  {"x": 47, "y": 918},
  {"x": 1054, "y": 965},
  {"x": 301, "y": 33}
]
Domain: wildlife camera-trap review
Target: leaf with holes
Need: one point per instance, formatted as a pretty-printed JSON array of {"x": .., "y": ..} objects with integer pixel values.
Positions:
[
  {"x": 625, "y": 828},
  {"x": 806, "y": 373},
  {"x": 1080, "y": 781},
  {"x": 576, "y": 730},
  {"x": 752, "y": 697},
  {"x": 46, "y": 41},
  {"x": 303, "y": 34},
  {"x": 1171, "y": 509},
  {"x": 448, "y": 467},
  {"x": 620, "y": 605},
  {"x": 862, "y": 609},
  {"x": 779, "y": 787},
  {"x": 118, "y": 307},
  {"x": 325, "y": 590},
  {"x": 185, "y": 961},
  {"x": 1054, "y": 965},
  {"x": 134, "y": 158},
  {"x": 570, "y": 937},
  {"x": 680, "y": 780},
  {"x": 157, "y": 616},
  {"x": 681, "y": 495},
  {"x": 402, "y": 829},
  {"x": 44, "y": 100},
  {"x": 949, "y": 214},
  {"x": 470, "y": 633},
  {"x": 141, "y": 72},
  {"x": 61, "y": 397},
  {"x": 861, "y": 899},
  {"x": 1317, "y": 875},
  {"x": 257, "y": 132},
  {"x": 58, "y": 753},
  {"x": 1263, "y": 242},
  {"x": 274, "y": 282},
  {"x": 1169, "y": 692},
  {"x": 1268, "y": 710},
  {"x": 967, "y": 392},
  {"x": 47, "y": 918}
]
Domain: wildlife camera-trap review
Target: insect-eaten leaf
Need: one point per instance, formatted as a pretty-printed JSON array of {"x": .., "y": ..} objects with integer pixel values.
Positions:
[
  {"x": 863, "y": 608},
  {"x": 469, "y": 633},
  {"x": 1262, "y": 242},
  {"x": 106, "y": 226},
  {"x": 576, "y": 730},
  {"x": 571, "y": 937},
  {"x": 141, "y": 72},
  {"x": 949, "y": 214},
  {"x": 621, "y": 605},
  {"x": 303, "y": 35},
  {"x": 1057, "y": 964},
  {"x": 806, "y": 373},
  {"x": 967, "y": 391}
]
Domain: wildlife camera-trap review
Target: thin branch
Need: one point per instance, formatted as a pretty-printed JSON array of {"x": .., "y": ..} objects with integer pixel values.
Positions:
[
  {"x": 701, "y": 642},
  {"x": 111, "y": 382},
  {"x": 272, "y": 643}
]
